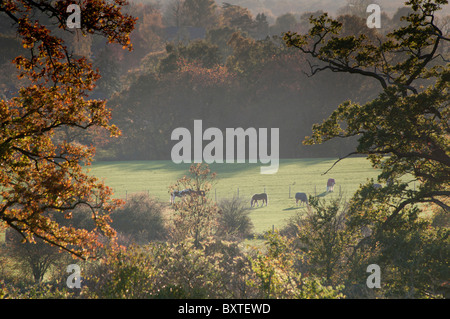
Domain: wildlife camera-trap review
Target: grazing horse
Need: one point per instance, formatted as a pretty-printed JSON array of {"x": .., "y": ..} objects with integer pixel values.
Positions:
[
  {"x": 183, "y": 193},
  {"x": 301, "y": 197},
  {"x": 258, "y": 197},
  {"x": 330, "y": 184}
]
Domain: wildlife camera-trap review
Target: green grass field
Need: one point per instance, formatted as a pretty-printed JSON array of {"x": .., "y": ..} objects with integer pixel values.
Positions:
[{"x": 294, "y": 175}]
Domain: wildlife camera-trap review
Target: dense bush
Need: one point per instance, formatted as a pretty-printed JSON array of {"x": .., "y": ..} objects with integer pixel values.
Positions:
[
  {"x": 234, "y": 220},
  {"x": 330, "y": 246},
  {"x": 216, "y": 270},
  {"x": 139, "y": 220},
  {"x": 170, "y": 270}
]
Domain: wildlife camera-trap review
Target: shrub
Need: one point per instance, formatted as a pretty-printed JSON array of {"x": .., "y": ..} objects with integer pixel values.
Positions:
[
  {"x": 164, "y": 270},
  {"x": 140, "y": 220},
  {"x": 234, "y": 220}
]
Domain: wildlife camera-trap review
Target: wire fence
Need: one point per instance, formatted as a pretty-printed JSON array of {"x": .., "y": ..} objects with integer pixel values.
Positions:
[{"x": 244, "y": 191}]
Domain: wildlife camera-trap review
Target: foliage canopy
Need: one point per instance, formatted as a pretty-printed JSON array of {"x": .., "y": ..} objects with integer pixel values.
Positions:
[{"x": 39, "y": 169}]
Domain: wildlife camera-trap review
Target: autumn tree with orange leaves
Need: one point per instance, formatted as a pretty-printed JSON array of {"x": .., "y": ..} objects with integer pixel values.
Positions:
[{"x": 42, "y": 175}]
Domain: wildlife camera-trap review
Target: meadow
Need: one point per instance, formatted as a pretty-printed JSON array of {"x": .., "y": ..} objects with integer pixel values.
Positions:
[{"x": 243, "y": 180}]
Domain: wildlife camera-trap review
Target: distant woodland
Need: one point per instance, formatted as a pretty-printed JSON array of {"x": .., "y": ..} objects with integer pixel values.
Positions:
[{"x": 218, "y": 62}]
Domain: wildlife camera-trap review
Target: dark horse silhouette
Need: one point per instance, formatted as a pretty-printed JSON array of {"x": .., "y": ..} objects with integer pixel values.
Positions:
[
  {"x": 301, "y": 197},
  {"x": 258, "y": 197},
  {"x": 184, "y": 192}
]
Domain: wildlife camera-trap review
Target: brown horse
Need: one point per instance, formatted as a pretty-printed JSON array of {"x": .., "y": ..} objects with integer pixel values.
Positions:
[{"x": 258, "y": 197}]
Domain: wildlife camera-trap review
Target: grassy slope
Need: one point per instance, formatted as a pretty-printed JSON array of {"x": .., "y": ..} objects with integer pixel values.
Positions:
[{"x": 302, "y": 175}]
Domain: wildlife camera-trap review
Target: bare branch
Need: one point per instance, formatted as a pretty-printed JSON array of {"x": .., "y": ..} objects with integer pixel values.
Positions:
[{"x": 340, "y": 159}]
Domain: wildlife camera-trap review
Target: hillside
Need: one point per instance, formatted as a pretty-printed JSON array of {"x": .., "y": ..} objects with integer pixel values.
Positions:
[
  {"x": 278, "y": 7},
  {"x": 275, "y": 8}
]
